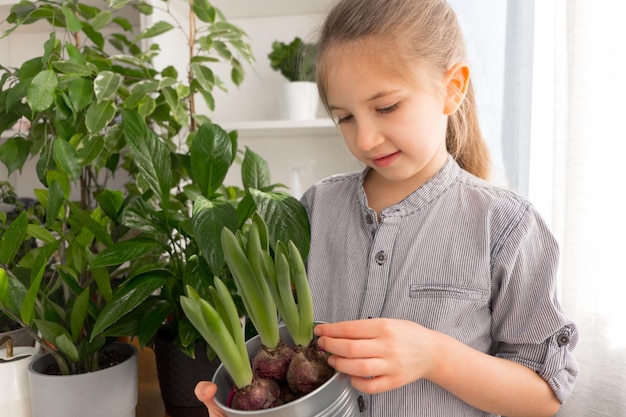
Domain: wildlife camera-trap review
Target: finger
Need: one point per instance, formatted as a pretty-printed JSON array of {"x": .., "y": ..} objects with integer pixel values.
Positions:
[
  {"x": 353, "y": 329},
  {"x": 205, "y": 392},
  {"x": 351, "y": 348},
  {"x": 374, "y": 385},
  {"x": 364, "y": 368}
]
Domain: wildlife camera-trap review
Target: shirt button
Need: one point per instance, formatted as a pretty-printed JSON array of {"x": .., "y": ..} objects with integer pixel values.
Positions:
[
  {"x": 380, "y": 257},
  {"x": 562, "y": 339},
  {"x": 369, "y": 219}
]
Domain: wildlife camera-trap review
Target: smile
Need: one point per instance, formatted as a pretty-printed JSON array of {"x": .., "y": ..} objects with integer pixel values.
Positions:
[{"x": 386, "y": 160}]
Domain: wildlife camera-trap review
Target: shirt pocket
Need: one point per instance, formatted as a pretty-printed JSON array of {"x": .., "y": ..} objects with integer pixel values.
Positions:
[
  {"x": 459, "y": 311},
  {"x": 446, "y": 291}
]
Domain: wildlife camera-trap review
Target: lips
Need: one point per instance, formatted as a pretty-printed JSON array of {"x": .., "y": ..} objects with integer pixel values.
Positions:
[{"x": 385, "y": 161}]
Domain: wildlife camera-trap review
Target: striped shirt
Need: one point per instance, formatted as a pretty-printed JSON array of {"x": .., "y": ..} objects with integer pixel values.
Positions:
[{"x": 459, "y": 256}]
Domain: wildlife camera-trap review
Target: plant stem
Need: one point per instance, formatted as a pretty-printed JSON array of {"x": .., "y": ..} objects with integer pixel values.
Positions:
[{"x": 192, "y": 40}]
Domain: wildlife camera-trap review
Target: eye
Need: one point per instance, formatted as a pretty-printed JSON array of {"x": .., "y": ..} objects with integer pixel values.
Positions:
[
  {"x": 344, "y": 119},
  {"x": 388, "y": 109}
]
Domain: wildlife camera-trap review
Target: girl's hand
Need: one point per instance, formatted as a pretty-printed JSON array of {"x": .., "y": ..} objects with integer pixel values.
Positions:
[
  {"x": 379, "y": 354},
  {"x": 205, "y": 392}
]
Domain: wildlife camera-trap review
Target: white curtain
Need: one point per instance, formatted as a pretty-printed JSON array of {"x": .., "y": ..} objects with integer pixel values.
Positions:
[{"x": 564, "y": 147}]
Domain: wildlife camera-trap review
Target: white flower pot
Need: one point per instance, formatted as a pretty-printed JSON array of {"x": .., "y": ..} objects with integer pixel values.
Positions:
[
  {"x": 14, "y": 389},
  {"x": 108, "y": 392},
  {"x": 300, "y": 100}
]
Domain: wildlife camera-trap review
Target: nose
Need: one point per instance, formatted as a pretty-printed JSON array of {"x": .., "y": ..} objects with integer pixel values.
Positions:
[{"x": 367, "y": 136}]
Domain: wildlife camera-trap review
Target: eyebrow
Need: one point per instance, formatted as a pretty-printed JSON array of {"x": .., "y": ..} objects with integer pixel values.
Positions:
[{"x": 374, "y": 97}]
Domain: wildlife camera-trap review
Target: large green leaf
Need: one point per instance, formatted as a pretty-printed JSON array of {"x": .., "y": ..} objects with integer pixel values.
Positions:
[
  {"x": 126, "y": 250},
  {"x": 204, "y": 11},
  {"x": 286, "y": 218},
  {"x": 209, "y": 218},
  {"x": 40, "y": 92},
  {"x": 102, "y": 19},
  {"x": 27, "y": 309},
  {"x": 81, "y": 218},
  {"x": 111, "y": 202},
  {"x": 12, "y": 292},
  {"x": 255, "y": 171},
  {"x": 90, "y": 149},
  {"x": 55, "y": 202},
  {"x": 72, "y": 68},
  {"x": 140, "y": 216},
  {"x": 4, "y": 288},
  {"x": 71, "y": 21},
  {"x": 94, "y": 35},
  {"x": 106, "y": 85},
  {"x": 151, "y": 323},
  {"x": 99, "y": 115},
  {"x": 204, "y": 75},
  {"x": 103, "y": 281},
  {"x": 149, "y": 154},
  {"x": 58, "y": 335},
  {"x": 12, "y": 238},
  {"x": 14, "y": 153},
  {"x": 157, "y": 29},
  {"x": 78, "y": 315},
  {"x": 211, "y": 156},
  {"x": 66, "y": 158},
  {"x": 126, "y": 299},
  {"x": 80, "y": 92}
]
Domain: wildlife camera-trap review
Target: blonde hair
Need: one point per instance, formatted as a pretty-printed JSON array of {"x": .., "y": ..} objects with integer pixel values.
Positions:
[{"x": 423, "y": 31}]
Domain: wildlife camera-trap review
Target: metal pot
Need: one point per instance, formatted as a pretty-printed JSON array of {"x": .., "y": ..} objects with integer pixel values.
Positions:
[{"x": 336, "y": 397}]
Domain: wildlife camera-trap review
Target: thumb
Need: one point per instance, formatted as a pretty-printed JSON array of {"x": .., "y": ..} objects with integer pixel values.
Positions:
[{"x": 205, "y": 392}]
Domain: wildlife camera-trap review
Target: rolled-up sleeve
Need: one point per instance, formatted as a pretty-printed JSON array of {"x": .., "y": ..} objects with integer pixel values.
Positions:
[{"x": 529, "y": 326}]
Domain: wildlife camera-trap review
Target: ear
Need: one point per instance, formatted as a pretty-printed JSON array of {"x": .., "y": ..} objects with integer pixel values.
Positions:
[{"x": 456, "y": 81}]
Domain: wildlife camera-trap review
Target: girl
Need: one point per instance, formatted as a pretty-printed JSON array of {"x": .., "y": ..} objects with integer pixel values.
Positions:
[{"x": 438, "y": 288}]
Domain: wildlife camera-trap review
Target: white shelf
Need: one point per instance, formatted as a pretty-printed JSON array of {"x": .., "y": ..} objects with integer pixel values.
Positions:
[
  {"x": 255, "y": 8},
  {"x": 283, "y": 128}
]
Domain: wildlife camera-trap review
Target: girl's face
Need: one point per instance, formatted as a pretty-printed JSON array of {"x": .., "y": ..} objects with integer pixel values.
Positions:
[{"x": 396, "y": 124}]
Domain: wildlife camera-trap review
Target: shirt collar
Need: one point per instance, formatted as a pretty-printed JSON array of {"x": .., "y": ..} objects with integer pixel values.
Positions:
[{"x": 419, "y": 198}]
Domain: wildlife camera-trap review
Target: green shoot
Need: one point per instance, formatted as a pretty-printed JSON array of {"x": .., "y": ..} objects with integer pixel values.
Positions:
[
  {"x": 222, "y": 331},
  {"x": 251, "y": 283}
]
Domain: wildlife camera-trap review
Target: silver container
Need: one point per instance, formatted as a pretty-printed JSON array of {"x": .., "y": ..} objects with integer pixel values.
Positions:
[{"x": 336, "y": 397}]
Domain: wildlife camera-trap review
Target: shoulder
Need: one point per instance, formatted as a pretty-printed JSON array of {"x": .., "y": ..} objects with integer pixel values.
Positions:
[
  {"x": 505, "y": 211},
  {"x": 330, "y": 189},
  {"x": 489, "y": 197}
]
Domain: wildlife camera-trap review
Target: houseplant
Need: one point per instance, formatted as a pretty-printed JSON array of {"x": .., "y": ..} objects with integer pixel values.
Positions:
[
  {"x": 296, "y": 62},
  {"x": 97, "y": 116},
  {"x": 281, "y": 372}
]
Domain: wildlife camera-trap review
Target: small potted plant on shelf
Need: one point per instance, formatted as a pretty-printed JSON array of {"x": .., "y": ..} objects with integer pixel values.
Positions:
[{"x": 296, "y": 62}]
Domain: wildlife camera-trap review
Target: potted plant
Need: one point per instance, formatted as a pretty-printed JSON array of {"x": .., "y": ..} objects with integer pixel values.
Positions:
[
  {"x": 95, "y": 116},
  {"x": 296, "y": 62},
  {"x": 194, "y": 253},
  {"x": 282, "y": 371}
]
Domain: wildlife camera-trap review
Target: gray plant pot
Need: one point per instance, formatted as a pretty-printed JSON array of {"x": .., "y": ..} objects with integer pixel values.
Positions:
[
  {"x": 336, "y": 398},
  {"x": 109, "y": 392}
]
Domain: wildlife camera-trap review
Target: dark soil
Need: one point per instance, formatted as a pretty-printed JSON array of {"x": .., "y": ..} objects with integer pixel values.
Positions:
[{"x": 107, "y": 359}]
